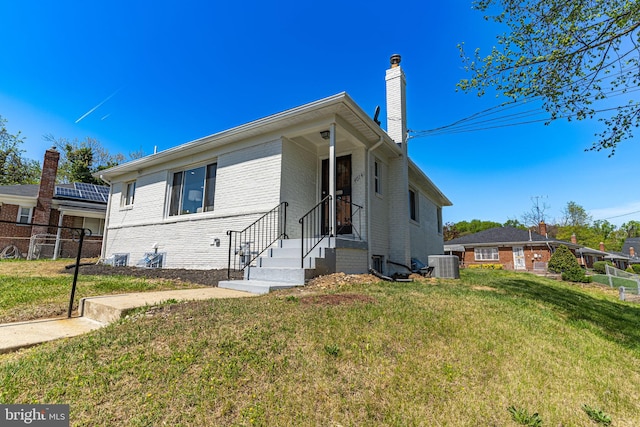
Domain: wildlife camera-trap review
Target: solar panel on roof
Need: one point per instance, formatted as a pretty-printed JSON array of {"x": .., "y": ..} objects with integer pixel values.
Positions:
[
  {"x": 85, "y": 187},
  {"x": 67, "y": 192},
  {"x": 102, "y": 189},
  {"x": 82, "y": 191}
]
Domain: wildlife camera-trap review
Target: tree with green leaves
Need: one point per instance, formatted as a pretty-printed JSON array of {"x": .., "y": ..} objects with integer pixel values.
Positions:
[
  {"x": 14, "y": 168},
  {"x": 575, "y": 215},
  {"x": 81, "y": 159},
  {"x": 580, "y": 58}
]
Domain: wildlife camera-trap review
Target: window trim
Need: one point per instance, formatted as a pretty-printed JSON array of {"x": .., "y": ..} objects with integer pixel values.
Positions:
[
  {"x": 479, "y": 253},
  {"x": 175, "y": 193},
  {"x": 29, "y": 216},
  {"x": 128, "y": 198},
  {"x": 414, "y": 212},
  {"x": 377, "y": 177}
]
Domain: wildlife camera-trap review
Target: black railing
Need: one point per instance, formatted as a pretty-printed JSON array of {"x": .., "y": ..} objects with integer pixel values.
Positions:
[
  {"x": 246, "y": 245},
  {"x": 314, "y": 227},
  {"x": 347, "y": 210},
  {"x": 80, "y": 233}
]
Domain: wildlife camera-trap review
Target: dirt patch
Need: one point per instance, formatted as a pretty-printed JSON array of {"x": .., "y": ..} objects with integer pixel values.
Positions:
[
  {"x": 338, "y": 280},
  {"x": 201, "y": 277},
  {"x": 336, "y": 299}
]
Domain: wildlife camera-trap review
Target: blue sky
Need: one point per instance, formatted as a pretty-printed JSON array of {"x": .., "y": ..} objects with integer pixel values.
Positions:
[{"x": 163, "y": 73}]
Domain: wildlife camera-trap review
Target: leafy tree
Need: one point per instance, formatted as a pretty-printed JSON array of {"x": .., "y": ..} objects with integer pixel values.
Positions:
[
  {"x": 575, "y": 56},
  {"x": 575, "y": 215},
  {"x": 450, "y": 231},
  {"x": 14, "y": 168},
  {"x": 630, "y": 229},
  {"x": 81, "y": 159},
  {"x": 515, "y": 224},
  {"x": 474, "y": 226}
]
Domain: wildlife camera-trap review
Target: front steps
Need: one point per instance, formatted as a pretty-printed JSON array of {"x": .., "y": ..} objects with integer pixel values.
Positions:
[{"x": 279, "y": 267}]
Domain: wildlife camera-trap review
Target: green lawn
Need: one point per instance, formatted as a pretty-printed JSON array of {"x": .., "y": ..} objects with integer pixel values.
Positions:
[
  {"x": 38, "y": 289},
  {"x": 435, "y": 353},
  {"x": 617, "y": 281}
]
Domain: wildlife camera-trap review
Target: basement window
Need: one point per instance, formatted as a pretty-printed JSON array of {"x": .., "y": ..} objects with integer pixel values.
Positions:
[{"x": 193, "y": 190}]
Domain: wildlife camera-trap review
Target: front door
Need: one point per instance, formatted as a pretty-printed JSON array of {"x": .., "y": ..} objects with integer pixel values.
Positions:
[
  {"x": 518, "y": 258},
  {"x": 343, "y": 194}
]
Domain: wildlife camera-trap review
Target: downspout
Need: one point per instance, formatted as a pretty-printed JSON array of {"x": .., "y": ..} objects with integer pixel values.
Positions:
[
  {"x": 368, "y": 192},
  {"x": 106, "y": 219}
]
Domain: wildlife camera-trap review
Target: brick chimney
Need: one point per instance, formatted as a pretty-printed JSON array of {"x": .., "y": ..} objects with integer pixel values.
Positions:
[
  {"x": 602, "y": 246},
  {"x": 42, "y": 212},
  {"x": 632, "y": 252},
  {"x": 396, "y": 103},
  {"x": 574, "y": 239},
  {"x": 543, "y": 228}
]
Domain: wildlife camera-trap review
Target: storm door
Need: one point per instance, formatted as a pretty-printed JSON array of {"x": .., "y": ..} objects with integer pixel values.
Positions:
[{"x": 343, "y": 194}]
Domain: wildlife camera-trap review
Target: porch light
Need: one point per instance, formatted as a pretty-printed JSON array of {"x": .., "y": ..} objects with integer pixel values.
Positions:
[{"x": 325, "y": 134}]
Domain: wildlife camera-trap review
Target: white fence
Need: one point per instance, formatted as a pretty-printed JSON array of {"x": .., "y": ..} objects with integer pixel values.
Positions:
[{"x": 633, "y": 279}]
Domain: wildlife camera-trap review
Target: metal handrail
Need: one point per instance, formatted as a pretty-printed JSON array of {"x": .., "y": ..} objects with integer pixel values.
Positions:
[
  {"x": 256, "y": 238},
  {"x": 312, "y": 228},
  {"x": 358, "y": 210}
]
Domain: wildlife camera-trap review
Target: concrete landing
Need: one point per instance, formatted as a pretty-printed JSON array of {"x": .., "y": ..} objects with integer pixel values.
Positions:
[{"x": 97, "y": 312}]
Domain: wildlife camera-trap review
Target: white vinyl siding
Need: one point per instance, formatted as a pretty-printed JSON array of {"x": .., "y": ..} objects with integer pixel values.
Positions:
[{"x": 486, "y": 254}]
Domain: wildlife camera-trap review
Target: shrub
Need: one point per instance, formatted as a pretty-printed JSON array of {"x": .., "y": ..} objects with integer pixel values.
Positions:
[
  {"x": 487, "y": 266},
  {"x": 629, "y": 270},
  {"x": 599, "y": 266},
  {"x": 563, "y": 261},
  {"x": 636, "y": 268}
]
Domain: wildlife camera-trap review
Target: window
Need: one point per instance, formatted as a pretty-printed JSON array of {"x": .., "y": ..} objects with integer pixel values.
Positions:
[
  {"x": 377, "y": 263},
  {"x": 413, "y": 205},
  {"x": 486, "y": 254},
  {"x": 95, "y": 225},
  {"x": 193, "y": 190},
  {"x": 24, "y": 215},
  {"x": 377, "y": 184},
  {"x": 129, "y": 194},
  {"x": 439, "y": 213}
]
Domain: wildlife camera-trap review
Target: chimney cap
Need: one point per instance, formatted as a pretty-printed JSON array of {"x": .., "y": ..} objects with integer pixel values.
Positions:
[{"x": 395, "y": 60}]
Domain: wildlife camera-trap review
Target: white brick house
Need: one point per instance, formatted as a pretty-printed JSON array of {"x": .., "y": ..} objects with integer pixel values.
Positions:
[{"x": 378, "y": 207}]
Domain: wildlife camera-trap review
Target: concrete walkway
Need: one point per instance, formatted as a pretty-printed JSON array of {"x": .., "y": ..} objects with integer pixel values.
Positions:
[{"x": 96, "y": 312}]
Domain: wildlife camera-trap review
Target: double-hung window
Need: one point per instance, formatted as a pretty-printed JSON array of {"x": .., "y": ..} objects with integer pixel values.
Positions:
[
  {"x": 193, "y": 190},
  {"x": 413, "y": 205},
  {"x": 486, "y": 254},
  {"x": 24, "y": 215},
  {"x": 377, "y": 171}
]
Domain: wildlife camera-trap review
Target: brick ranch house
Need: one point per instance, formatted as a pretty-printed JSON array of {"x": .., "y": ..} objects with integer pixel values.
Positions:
[
  {"x": 324, "y": 174},
  {"x": 516, "y": 249},
  {"x": 22, "y": 206}
]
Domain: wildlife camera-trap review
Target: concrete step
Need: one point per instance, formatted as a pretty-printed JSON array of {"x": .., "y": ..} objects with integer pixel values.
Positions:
[
  {"x": 317, "y": 252},
  {"x": 297, "y": 243},
  {"x": 258, "y": 287},
  {"x": 267, "y": 262},
  {"x": 109, "y": 308},
  {"x": 295, "y": 276}
]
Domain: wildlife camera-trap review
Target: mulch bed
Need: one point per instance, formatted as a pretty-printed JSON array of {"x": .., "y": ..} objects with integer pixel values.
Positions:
[{"x": 201, "y": 277}]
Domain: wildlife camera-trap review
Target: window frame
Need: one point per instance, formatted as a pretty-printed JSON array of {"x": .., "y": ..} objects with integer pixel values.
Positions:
[
  {"x": 176, "y": 190},
  {"x": 414, "y": 214},
  {"x": 101, "y": 222},
  {"x": 479, "y": 254},
  {"x": 128, "y": 197},
  {"x": 21, "y": 215}
]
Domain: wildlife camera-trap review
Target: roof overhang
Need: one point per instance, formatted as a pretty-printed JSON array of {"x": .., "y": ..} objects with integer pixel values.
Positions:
[{"x": 339, "y": 108}]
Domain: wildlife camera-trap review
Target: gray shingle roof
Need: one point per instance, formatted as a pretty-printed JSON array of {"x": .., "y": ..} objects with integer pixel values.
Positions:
[
  {"x": 499, "y": 235},
  {"x": 24, "y": 190}
]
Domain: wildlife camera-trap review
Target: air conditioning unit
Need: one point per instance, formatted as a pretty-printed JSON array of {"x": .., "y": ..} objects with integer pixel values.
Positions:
[{"x": 445, "y": 266}]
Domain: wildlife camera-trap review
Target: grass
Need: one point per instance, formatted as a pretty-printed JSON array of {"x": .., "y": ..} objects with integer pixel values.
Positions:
[
  {"x": 38, "y": 289},
  {"x": 434, "y": 353},
  {"x": 617, "y": 281}
]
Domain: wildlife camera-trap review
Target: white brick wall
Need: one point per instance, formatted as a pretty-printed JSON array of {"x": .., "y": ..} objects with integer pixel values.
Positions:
[
  {"x": 247, "y": 185},
  {"x": 299, "y": 185},
  {"x": 425, "y": 238}
]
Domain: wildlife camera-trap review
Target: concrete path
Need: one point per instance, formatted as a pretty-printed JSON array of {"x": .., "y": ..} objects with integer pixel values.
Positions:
[{"x": 96, "y": 312}]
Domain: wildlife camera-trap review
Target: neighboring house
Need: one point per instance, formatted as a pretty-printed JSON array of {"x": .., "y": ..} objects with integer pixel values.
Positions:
[
  {"x": 328, "y": 158},
  {"x": 630, "y": 249},
  {"x": 514, "y": 248},
  {"x": 68, "y": 205}
]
